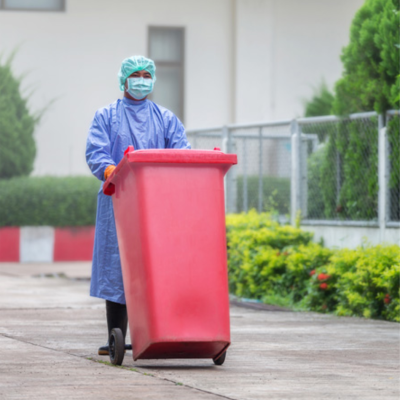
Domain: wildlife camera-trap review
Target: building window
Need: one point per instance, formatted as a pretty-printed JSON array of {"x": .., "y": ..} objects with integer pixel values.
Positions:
[
  {"x": 33, "y": 5},
  {"x": 166, "y": 48}
]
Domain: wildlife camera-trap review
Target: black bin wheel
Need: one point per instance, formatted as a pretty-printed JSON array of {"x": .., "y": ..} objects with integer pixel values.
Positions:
[
  {"x": 221, "y": 359},
  {"x": 117, "y": 346}
]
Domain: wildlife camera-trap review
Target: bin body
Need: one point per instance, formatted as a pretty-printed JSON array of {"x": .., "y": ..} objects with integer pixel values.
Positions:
[{"x": 170, "y": 219}]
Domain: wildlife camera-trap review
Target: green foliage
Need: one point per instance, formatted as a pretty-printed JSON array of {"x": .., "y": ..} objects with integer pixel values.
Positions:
[
  {"x": 370, "y": 80},
  {"x": 363, "y": 282},
  {"x": 396, "y": 92},
  {"x": 393, "y": 134},
  {"x": 316, "y": 180},
  {"x": 371, "y": 60},
  {"x": 358, "y": 148},
  {"x": 322, "y": 181},
  {"x": 276, "y": 193},
  {"x": 53, "y": 201},
  {"x": 17, "y": 145},
  {"x": 281, "y": 264},
  {"x": 351, "y": 192},
  {"x": 321, "y": 102},
  {"x": 255, "y": 243}
]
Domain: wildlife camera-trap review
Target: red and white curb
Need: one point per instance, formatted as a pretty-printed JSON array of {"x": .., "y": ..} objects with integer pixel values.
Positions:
[{"x": 46, "y": 244}]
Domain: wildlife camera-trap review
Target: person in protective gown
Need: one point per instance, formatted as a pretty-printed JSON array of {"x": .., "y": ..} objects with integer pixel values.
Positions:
[{"x": 135, "y": 121}]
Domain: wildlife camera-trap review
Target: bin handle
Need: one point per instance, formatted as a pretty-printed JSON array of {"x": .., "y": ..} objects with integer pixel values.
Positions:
[
  {"x": 108, "y": 186},
  {"x": 129, "y": 149}
]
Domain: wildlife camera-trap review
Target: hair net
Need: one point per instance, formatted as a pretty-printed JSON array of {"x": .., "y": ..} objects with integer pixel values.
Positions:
[{"x": 133, "y": 64}]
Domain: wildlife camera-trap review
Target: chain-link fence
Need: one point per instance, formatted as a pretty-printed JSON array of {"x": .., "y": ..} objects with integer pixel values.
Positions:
[
  {"x": 332, "y": 170},
  {"x": 264, "y": 167},
  {"x": 339, "y": 171},
  {"x": 393, "y": 165},
  {"x": 261, "y": 179},
  {"x": 206, "y": 139}
]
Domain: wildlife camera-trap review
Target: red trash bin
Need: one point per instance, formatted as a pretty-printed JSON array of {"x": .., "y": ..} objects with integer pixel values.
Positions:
[{"x": 170, "y": 219}]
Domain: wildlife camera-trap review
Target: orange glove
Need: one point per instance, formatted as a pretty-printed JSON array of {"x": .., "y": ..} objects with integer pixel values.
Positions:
[{"x": 108, "y": 171}]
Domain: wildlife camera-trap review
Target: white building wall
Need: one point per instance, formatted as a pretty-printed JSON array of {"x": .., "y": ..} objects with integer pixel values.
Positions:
[
  {"x": 284, "y": 49},
  {"x": 74, "y": 57},
  {"x": 281, "y": 47}
]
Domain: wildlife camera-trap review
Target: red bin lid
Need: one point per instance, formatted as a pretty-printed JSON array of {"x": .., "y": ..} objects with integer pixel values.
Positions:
[
  {"x": 180, "y": 156},
  {"x": 173, "y": 156}
]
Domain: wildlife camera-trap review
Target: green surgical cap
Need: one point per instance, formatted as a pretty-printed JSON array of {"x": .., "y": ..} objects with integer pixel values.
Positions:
[{"x": 133, "y": 64}]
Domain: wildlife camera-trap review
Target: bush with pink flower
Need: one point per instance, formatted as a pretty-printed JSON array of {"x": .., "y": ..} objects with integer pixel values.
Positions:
[{"x": 282, "y": 265}]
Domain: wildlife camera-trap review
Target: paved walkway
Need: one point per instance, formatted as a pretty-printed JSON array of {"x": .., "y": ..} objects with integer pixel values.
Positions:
[{"x": 50, "y": 330}]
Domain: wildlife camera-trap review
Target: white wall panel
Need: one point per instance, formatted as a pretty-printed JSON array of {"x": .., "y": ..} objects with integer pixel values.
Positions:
[
  {"x": 36, "y": 244},
  {"x": 74, "y": 56},
  {"x": 285, "y": 48},
  {"x": 352, "y": 237}
]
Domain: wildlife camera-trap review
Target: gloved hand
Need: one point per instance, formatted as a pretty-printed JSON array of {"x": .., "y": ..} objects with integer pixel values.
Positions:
[{"x": 108, "y": 171}]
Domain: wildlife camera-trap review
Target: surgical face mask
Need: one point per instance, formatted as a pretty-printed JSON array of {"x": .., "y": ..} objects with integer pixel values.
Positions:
[{"x": 139, "y": 88}]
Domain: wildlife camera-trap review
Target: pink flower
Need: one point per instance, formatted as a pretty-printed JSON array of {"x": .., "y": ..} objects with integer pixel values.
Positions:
[
  {"x": 323, "y": 286},
  {"x": 323, "y": 277}
]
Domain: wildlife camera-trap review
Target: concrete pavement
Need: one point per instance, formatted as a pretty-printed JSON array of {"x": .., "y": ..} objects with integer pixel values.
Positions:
[{"x": 50, "y": 330}]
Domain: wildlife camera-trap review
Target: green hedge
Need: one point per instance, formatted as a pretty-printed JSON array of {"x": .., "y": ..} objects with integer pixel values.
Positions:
[
  {"x": 276, "y": 193},
  {"x": 281, "y": 265},
  {"x": 53, "y": 201}
]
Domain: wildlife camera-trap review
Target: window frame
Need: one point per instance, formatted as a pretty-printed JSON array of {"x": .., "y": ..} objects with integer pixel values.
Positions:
[
  {"x": 62, "y": 9},
  {"x": 180, "y": 64}
]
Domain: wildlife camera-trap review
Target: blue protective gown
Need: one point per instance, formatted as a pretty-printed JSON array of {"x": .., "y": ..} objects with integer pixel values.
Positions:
[{"x": 145, "y": 125}]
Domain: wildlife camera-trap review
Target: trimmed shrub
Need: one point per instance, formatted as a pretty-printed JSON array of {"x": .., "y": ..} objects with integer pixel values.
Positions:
[
  {"x": 53, "y": 201},
  {"x": 281, "y": 265},
  {"x": 255, "y": 244},
  {"x": 362, "y": 282}
]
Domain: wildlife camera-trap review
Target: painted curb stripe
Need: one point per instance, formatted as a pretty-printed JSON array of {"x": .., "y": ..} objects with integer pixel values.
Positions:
[
  {"x": 73, "y": 244},
  {"x": 46, "y": 244},
  {"x": 9, "y": 244}
]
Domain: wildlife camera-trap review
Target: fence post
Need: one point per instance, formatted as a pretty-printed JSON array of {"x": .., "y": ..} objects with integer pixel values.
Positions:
[
  {"x": 338, "y": 167},
  {"x": 260, "y": 173},
  {"x": 224, "y": 148},
  {"x": 303, "y": 185},
  {"x": 230, "y": 181},
  {"x": 382, "y": 176},
  {"x": 194, "y": 143},
  {"x": 245, "y": 191},
  {"x": 295, "y": 178}
]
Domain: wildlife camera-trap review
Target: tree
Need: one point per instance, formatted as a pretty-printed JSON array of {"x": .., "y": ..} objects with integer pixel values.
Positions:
[
  {"x": 321, "y": 102},
  {"x": 17, "y": 124},
  {"x": 371, "y": 60},
  {"x": 370, "y": 81}
]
